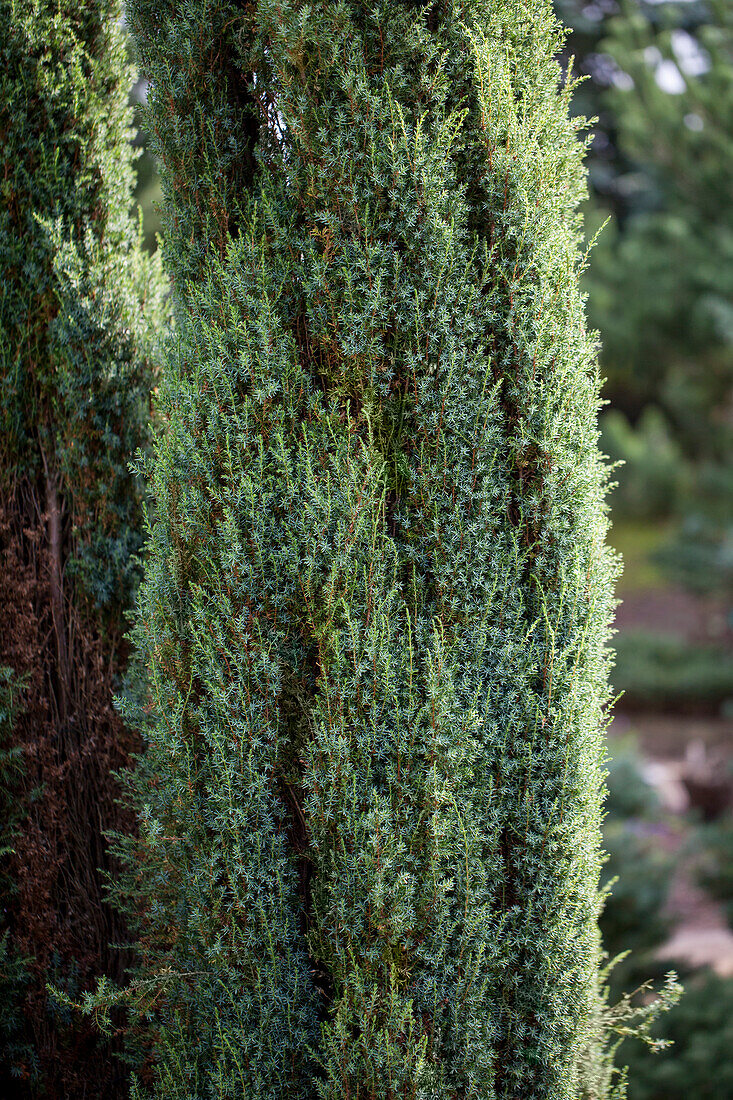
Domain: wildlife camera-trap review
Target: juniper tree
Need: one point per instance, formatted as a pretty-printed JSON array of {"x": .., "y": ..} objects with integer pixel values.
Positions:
[
  {"x": 374, "y": 620},
  {"x": 76, "y": 302}
]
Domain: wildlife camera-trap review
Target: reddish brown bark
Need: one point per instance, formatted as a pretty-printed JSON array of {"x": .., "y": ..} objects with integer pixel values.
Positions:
[{"x": 71, "y": 740}]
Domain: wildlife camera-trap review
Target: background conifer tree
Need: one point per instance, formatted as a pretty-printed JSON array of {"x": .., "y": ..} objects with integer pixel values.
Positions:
[
  {"x": 77, "y": 300},
  {"x": 376, "y": 607}
]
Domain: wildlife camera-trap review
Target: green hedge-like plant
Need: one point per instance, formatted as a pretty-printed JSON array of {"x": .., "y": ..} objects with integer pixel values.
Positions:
[
  {"x": 633, "y": 921},
  {"x": 77, "y": 302},
  {"x": 374, "y": 620},
  {"x": 699, "y": 1031},
  {"x": 665, "y": 672},
  {"x": 716, "y": 865}
]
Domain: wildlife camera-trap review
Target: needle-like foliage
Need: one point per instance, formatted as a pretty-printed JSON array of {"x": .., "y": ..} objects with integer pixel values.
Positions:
[
  {"x": 77, "y": 299},
  {"x": 375, "y": 615}
]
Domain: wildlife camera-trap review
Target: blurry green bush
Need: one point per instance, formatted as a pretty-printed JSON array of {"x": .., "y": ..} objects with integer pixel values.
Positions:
[
  {"x": 661, "y": 278},
  {"x": 663, "y": 272},
  {"x": 629, "y": 793},
  {"x": 654, "y": 472},
  {"x": 716, "y": 873},
  {"x": 700, "y": 1063},
  {"x": 637, "y": 870},
  {"x": 664, "y": 672},
  {"x": 701, "y": 554}
]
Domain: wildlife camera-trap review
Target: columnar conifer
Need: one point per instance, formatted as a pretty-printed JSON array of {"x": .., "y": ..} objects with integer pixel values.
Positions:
[
  {"x": 376, "y": 608},
  {"x": 76, "y": 302}
]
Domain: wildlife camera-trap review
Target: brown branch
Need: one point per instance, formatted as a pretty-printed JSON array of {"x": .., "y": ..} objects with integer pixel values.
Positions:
[{"x": 56, "y": 582}]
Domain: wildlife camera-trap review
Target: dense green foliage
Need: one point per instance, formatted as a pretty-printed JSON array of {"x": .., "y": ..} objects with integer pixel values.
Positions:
[
  {"x": 374, "y": 618},
  {"x": 77, "y": 298}
]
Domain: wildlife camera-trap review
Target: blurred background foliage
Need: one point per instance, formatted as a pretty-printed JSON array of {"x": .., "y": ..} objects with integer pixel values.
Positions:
[{"x": 658, "y": 78}]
